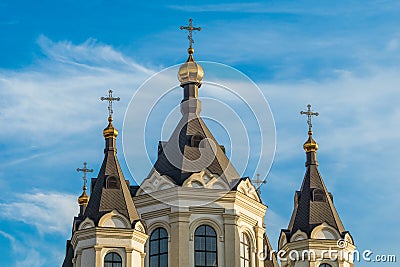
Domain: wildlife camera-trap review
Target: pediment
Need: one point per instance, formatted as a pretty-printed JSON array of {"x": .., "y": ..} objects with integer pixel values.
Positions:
[
  {"x": 205, "y": 179},
  {"x": 247, "y": 188},
  {"x": 155, "y": 182}
]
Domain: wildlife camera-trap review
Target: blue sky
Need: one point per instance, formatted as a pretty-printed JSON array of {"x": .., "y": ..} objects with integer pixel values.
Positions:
[{"x": 58, "y": 57}]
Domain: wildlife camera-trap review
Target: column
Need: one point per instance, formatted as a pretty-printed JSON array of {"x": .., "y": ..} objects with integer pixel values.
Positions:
[
  {"x": 179, "y": 247},
  {"x": 232, "y": 241}
]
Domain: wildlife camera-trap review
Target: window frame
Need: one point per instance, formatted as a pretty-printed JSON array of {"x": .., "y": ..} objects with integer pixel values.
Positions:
[
  {"x": 113, "y": 261},
  {"x": 245, "y": 242},
  {"x": 207, "y": 252},
  {"x": 158, "y": 240}
]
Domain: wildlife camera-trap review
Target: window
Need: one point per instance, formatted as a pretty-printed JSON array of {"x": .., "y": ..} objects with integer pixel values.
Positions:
[
  {"x": 245, "y": 251},
  {"x": 319, "y": 195},
  {"x": 158, "y": 248},
  {"x": 196, "y": 139},
  {"x": 205, "y": 247},
  {"x": 112, "y": 260},
  {"x": 112, "y": 182},
  {"x": 325, "y": 265}
]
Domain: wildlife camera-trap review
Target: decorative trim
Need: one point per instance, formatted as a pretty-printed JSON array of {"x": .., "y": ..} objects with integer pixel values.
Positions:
[
  {"x": 114, "y": 214},
  {"x": 325, "y": 227},
  {"x": 206, "y": 221},
  {"x": 206, "y": 210},
  {"x": 156, "y": 214}
]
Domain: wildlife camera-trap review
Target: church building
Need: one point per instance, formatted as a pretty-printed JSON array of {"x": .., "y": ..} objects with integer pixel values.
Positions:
[{"x": 194, "y": 209}]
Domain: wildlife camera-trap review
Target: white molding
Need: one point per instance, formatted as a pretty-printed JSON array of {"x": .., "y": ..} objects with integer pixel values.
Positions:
[
  {"x": 86, "y": 224},
  {"x": 154, "y": 182},
  {"x": 114, "y": 215},
  {"x": 206, "y": 221},
  {"x": 298, "y": 236},
  {"x": 247, "y": 188},
  {"x": 325, "y": 228}
]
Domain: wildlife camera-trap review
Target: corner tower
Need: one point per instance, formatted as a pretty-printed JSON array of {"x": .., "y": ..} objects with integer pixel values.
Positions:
[
  {"x": 108, "y": 230},
  {"x": 315, "y": 236}
]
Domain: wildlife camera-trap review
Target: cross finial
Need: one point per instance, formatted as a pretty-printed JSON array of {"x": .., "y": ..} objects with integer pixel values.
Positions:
[
  {"x": 190, "y": 29},
  {"x": 84, "y": 170},
  {"x": 258, "y": 183},
  {"x": 309, "y": 113},
  {"x": 110, "y": 100}
]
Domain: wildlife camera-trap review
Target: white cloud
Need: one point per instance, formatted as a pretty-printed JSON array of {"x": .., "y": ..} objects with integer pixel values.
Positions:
[
  {"x": 49, "y": 212},
  {"x": 59, "y": 95}
]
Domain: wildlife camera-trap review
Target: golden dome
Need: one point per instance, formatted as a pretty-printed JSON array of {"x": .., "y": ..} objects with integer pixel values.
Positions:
[
  {"x": 84, "y": 198},
  {"x": 110, "y": 131},
  {"x": 310, "y": 145},
  {"x": 190, "y": 71}
]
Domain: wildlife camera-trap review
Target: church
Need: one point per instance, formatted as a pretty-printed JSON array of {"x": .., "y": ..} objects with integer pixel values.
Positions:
[{"x": 194, "y": 209}]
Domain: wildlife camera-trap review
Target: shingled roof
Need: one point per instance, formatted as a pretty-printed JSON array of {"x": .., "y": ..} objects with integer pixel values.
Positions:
[
  {"x": 185, "y": 153},
  {"x": 110, "y": 191},
  {"x": 313, "y": 203}
]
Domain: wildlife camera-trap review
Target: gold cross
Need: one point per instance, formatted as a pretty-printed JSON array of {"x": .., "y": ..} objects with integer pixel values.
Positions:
[
  {"x": 84, "y": 170},
  {"x": 309, "y": 113},
  {"x": 110, "y": 100},
  {"x": 190, "y": 28},
  {"x": 258, "y": 183}
]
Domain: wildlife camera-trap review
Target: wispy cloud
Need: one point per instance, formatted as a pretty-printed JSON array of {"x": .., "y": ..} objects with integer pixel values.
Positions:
[
  {"x": 63, "y": 88},
  {"x": 49, "y": 212}
]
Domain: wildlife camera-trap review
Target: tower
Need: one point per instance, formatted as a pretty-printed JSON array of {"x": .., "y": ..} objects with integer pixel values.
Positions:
[
  {"x": 315, "y": 236},
  {"x": 108, "y": 230},
  {"x": 196, "y": 207}
]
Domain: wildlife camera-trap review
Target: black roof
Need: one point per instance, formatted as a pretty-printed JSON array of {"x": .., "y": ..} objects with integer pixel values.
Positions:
[
  {"x": 313, "y": 203},
  {"x": 110, "y": 191},
  {"x": 182, "y": 155}
]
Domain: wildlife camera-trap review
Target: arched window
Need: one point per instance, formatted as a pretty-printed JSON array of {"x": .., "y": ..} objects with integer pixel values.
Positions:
[
  {"x": 245, "y": 251},
  {"x": 325, "y": 265},
  {"x": 159, "y": 248},
  {"x": 205, "y": 247},
  {"x": 319, "y": 195},
  {"x": 112, "y": 182},
  {"x": 112, "y": 260}
]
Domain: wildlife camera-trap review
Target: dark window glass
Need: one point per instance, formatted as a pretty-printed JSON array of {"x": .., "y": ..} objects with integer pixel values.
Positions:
[
  {"x": 112, "y": 260},
  {"x": 319, "y": 195},
  {"x": 325, "y": 265},
  {"x": 205, "y": 247},
  {"x": 245, "y": 251},
  {"x": 159, "y": 248},
  {"x": 112, "y": 182},
  {"x": 196, "y": 139}
]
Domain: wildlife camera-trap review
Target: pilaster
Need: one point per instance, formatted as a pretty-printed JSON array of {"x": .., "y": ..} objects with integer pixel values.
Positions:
[
  {"x": 232, "y": 241},
  {"x": 179, "y": 249}
]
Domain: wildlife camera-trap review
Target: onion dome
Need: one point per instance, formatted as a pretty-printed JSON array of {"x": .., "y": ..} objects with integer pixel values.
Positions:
[
  {"x": 110, "y": 131},
  {"x": 310, "y": 145},
  {"x": 84, "y": 198},
  {"x": 190, "y": 71}
]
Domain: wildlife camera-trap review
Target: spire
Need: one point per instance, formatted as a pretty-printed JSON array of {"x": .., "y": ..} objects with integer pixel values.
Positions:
[
  {"x": 310, "y": 146},
  {"x": 313, "y": 203},
  {"x": 83, "y": 199},
  {"x": 190, "y": 75},
  {"x": 191, "y": 147},
  {"x": 110, "y": 191}
]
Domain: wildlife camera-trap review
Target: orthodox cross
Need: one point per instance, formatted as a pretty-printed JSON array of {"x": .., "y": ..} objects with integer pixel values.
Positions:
[
  {"x": 309, "y": 113},
  {"x": 258, "y": 183},
  {"x": 190, "y": 29},
  {"x": 110, "y": 100},
  {"x": 84, "y": 170}
]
